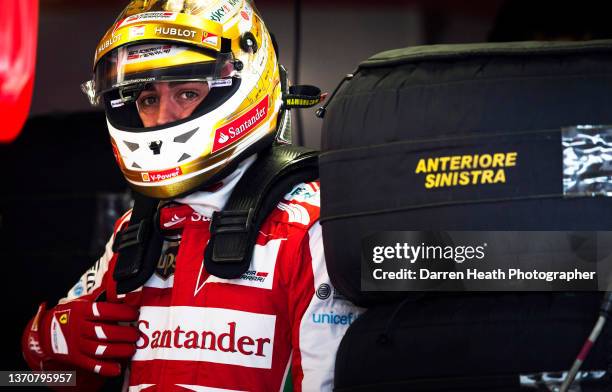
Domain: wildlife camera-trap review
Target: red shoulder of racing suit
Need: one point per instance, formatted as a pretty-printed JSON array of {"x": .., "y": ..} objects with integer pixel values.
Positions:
[{"x": 200, "y": 332}]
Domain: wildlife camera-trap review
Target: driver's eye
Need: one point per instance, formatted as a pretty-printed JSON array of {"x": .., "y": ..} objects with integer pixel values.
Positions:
[
  {"x": 189, "y": 95},
  {"x": 148, "y": 100}
]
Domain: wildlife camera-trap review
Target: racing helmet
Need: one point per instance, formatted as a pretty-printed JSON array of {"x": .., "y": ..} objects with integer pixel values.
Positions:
[{"x": 221, "y": 45}]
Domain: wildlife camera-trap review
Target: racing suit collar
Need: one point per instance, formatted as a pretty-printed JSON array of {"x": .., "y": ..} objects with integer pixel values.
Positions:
[{"x": 206, "y": 202}]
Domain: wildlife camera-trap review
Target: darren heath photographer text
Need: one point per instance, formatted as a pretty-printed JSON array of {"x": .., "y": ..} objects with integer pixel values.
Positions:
[{"x": 458, "y": 254}]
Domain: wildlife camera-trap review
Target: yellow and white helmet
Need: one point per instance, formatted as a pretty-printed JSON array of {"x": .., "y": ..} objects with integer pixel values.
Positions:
[{"x": 222, "y": 42}]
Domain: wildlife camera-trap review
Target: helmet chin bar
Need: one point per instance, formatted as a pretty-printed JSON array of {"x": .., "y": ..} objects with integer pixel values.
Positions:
[{"x": 208, "y": 178}]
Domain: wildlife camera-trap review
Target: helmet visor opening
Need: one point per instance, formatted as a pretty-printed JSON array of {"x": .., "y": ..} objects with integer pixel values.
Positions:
[
  {"x": 129, "y": 69},
  {"x": 132, "y": 116}
]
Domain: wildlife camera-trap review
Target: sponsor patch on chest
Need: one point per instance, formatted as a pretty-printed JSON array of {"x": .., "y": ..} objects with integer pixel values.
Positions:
[
  {"x": 214, "y": 335},
  {"x": 167, "y": 260},
  {"x": 261, "y": 270}
]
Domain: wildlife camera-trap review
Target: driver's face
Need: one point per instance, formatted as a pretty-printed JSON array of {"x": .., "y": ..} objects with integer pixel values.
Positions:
[{"x": 165, "y": 102}]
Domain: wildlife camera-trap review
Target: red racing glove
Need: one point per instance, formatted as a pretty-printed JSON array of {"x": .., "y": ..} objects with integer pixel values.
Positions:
[{"x": 82, "y": 333}]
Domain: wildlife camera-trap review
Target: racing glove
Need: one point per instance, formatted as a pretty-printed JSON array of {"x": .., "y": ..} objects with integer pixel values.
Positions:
[{"x": 82, "y": 333}]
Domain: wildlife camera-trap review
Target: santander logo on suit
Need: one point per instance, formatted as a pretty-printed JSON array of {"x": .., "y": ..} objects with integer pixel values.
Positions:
[{"x": 216, "y": 335}]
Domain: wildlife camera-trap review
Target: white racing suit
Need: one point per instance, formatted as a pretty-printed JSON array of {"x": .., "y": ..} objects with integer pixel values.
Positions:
[{"x": 203, "y": 333}]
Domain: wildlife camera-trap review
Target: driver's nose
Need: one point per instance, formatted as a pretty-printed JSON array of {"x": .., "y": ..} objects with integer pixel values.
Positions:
[{"x": 169, "y": 111}]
